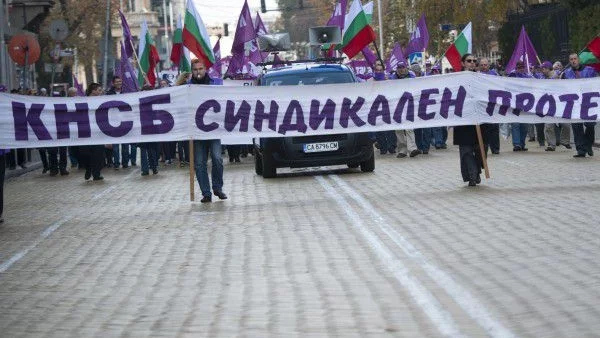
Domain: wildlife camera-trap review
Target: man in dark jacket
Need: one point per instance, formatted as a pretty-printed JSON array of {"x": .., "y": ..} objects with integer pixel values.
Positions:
[
  {"x": 203, "y": 147},
  {"x": 465, "y": 137}
]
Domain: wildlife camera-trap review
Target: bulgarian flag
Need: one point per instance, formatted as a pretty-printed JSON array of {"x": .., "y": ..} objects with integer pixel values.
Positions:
[
  {"x": 357, "y": 32},
  {"x": 590, "y": 56},
  {"x": 180, "y": 54},
  {"x": 148, "y": 57},
  {"x": 195, "y": 36},
  {"x": 461, "y": 46}
]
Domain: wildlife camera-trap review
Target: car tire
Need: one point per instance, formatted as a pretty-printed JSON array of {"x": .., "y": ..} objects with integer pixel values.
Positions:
[
  {"x": 269, "y": 170},
  {"x": 368, "y": 165},
  {"x": 258, "y": 165},
  {"x": 353, "y": 165}
]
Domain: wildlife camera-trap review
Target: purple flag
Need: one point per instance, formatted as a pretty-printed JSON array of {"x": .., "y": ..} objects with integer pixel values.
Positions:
[
  {"x": 370, "y": 57},
  {"x": 126, "y": 35},
  {"x": 259, "y": 26},
  {"x": 240, "y": 67},
  {"x": 216, "y": 71},
  {"x": 419, "y": 39},
  {"x": 260, "y": 29},
  {"x": 524, "y": 51},
  {"x": 235, "y": 64},
  {"x": 78, "y": 86},
  {"x": 339, "y": 14},
  {"x": 245, "y": 30},
  {"x": 395, "y": 57},
  {"x": 255, "y": 55},
  {"x": 361, "y": 68},
  {"x": 126, "y": 73}
]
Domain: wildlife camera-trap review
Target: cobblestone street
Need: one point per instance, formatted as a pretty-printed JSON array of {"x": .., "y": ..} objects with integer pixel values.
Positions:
[{"x": 406, "y": 251}]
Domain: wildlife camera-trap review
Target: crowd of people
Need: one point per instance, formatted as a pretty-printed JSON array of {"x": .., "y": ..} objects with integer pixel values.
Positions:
[
  {"x": 411, "y": 143},
  {"x": 403, "y": 143}
]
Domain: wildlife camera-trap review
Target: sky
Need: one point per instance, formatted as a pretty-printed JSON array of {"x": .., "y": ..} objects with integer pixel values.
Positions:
[{"x": 217, "y": 12}]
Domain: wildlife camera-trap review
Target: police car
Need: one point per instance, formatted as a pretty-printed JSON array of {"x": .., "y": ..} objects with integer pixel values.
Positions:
[{"x": 354, "y": 150}]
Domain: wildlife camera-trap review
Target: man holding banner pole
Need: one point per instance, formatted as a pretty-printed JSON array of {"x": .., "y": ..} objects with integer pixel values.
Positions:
[{"x": 201, "y": 148}]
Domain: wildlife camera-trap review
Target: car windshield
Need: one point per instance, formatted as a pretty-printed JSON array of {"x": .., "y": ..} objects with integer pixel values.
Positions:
[{"x": 316, "y": 78}]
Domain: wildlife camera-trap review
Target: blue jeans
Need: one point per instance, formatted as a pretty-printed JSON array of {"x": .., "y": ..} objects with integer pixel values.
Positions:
[
  {"x": 149, "y": 156},
  {"x": 519, "y": 134},
  {"x": 125, "y": 154},
  {"x": 201, "y": 150},
  {"x": 423, "y": 138},
  {"x": 438, "y": 136}
]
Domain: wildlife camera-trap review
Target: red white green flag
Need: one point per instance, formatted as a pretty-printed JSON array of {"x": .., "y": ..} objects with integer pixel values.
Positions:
[
  {"x": 461, "y": 46},
  {"x": 148, "y": 57},
  {"x": 357, "y": 31},
  {"x": 195, "y": 37},
  {"x": 590, "y": 56},
  {"x": 180, "y": 54}
]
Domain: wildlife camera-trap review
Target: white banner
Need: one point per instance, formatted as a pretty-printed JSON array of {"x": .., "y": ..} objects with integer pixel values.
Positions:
[{"x": 236, "y": 113}]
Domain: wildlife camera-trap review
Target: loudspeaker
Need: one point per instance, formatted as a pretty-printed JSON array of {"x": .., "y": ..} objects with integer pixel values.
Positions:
[
  {"x": 274, "y": 42},
  {"x": 324, "y": 34}
]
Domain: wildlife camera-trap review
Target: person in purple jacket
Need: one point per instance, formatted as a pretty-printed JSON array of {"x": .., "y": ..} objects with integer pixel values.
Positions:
[
  {"x": 3, "y": 153},
  {"x": 583, "y": 133}
]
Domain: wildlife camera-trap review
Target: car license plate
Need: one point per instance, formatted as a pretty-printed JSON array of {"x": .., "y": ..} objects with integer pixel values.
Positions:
[{"x": 322, "y": 146}]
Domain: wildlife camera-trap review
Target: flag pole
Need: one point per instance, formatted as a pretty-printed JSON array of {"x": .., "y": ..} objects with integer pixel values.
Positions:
[
  {"x": 137, "y": 60},
  {"x": 379, "y": 55},
  {"x": 380, "y": 25},
  {"x": 482, "y": 151}
]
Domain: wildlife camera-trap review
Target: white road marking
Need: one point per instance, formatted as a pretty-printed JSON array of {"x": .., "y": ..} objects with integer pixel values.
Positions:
[
  {"x": 469, "y": 303},
  {"x": 49, "y": 230},
  {"x": 423, "y": 297}
]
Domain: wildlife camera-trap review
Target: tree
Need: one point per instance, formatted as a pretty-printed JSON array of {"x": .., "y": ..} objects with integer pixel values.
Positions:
[{"x": 86, "y": 21}]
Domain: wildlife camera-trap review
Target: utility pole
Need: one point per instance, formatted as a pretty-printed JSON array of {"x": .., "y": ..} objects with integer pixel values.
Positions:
[
  {"x": 380, "y": 26},
  {"x": 3, "y": 51},
  {"x": 165, "y": 21},
  {"x": 106, "y": 32}
]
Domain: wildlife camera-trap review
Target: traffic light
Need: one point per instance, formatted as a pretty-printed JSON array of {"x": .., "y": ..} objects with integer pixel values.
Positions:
[
  {"x": 263, "y": 6},
  {"x": 225, "y": 29}
]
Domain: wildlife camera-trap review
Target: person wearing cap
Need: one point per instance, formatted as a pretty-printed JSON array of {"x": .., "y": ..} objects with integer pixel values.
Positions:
[
  {"x": 406, "y": 138},
  {"x": 554, "y": 131},
  {"x": 402, "y": 72},
  {"x": 519, "y": 130},
  {"x": 583, "y": 133},
  {"x": 493, "y": 130}
]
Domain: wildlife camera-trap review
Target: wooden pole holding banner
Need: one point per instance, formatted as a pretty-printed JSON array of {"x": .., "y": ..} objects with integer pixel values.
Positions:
[
  {"x": 482, "y": 151},
  {"x": 192, "y": 179}
]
